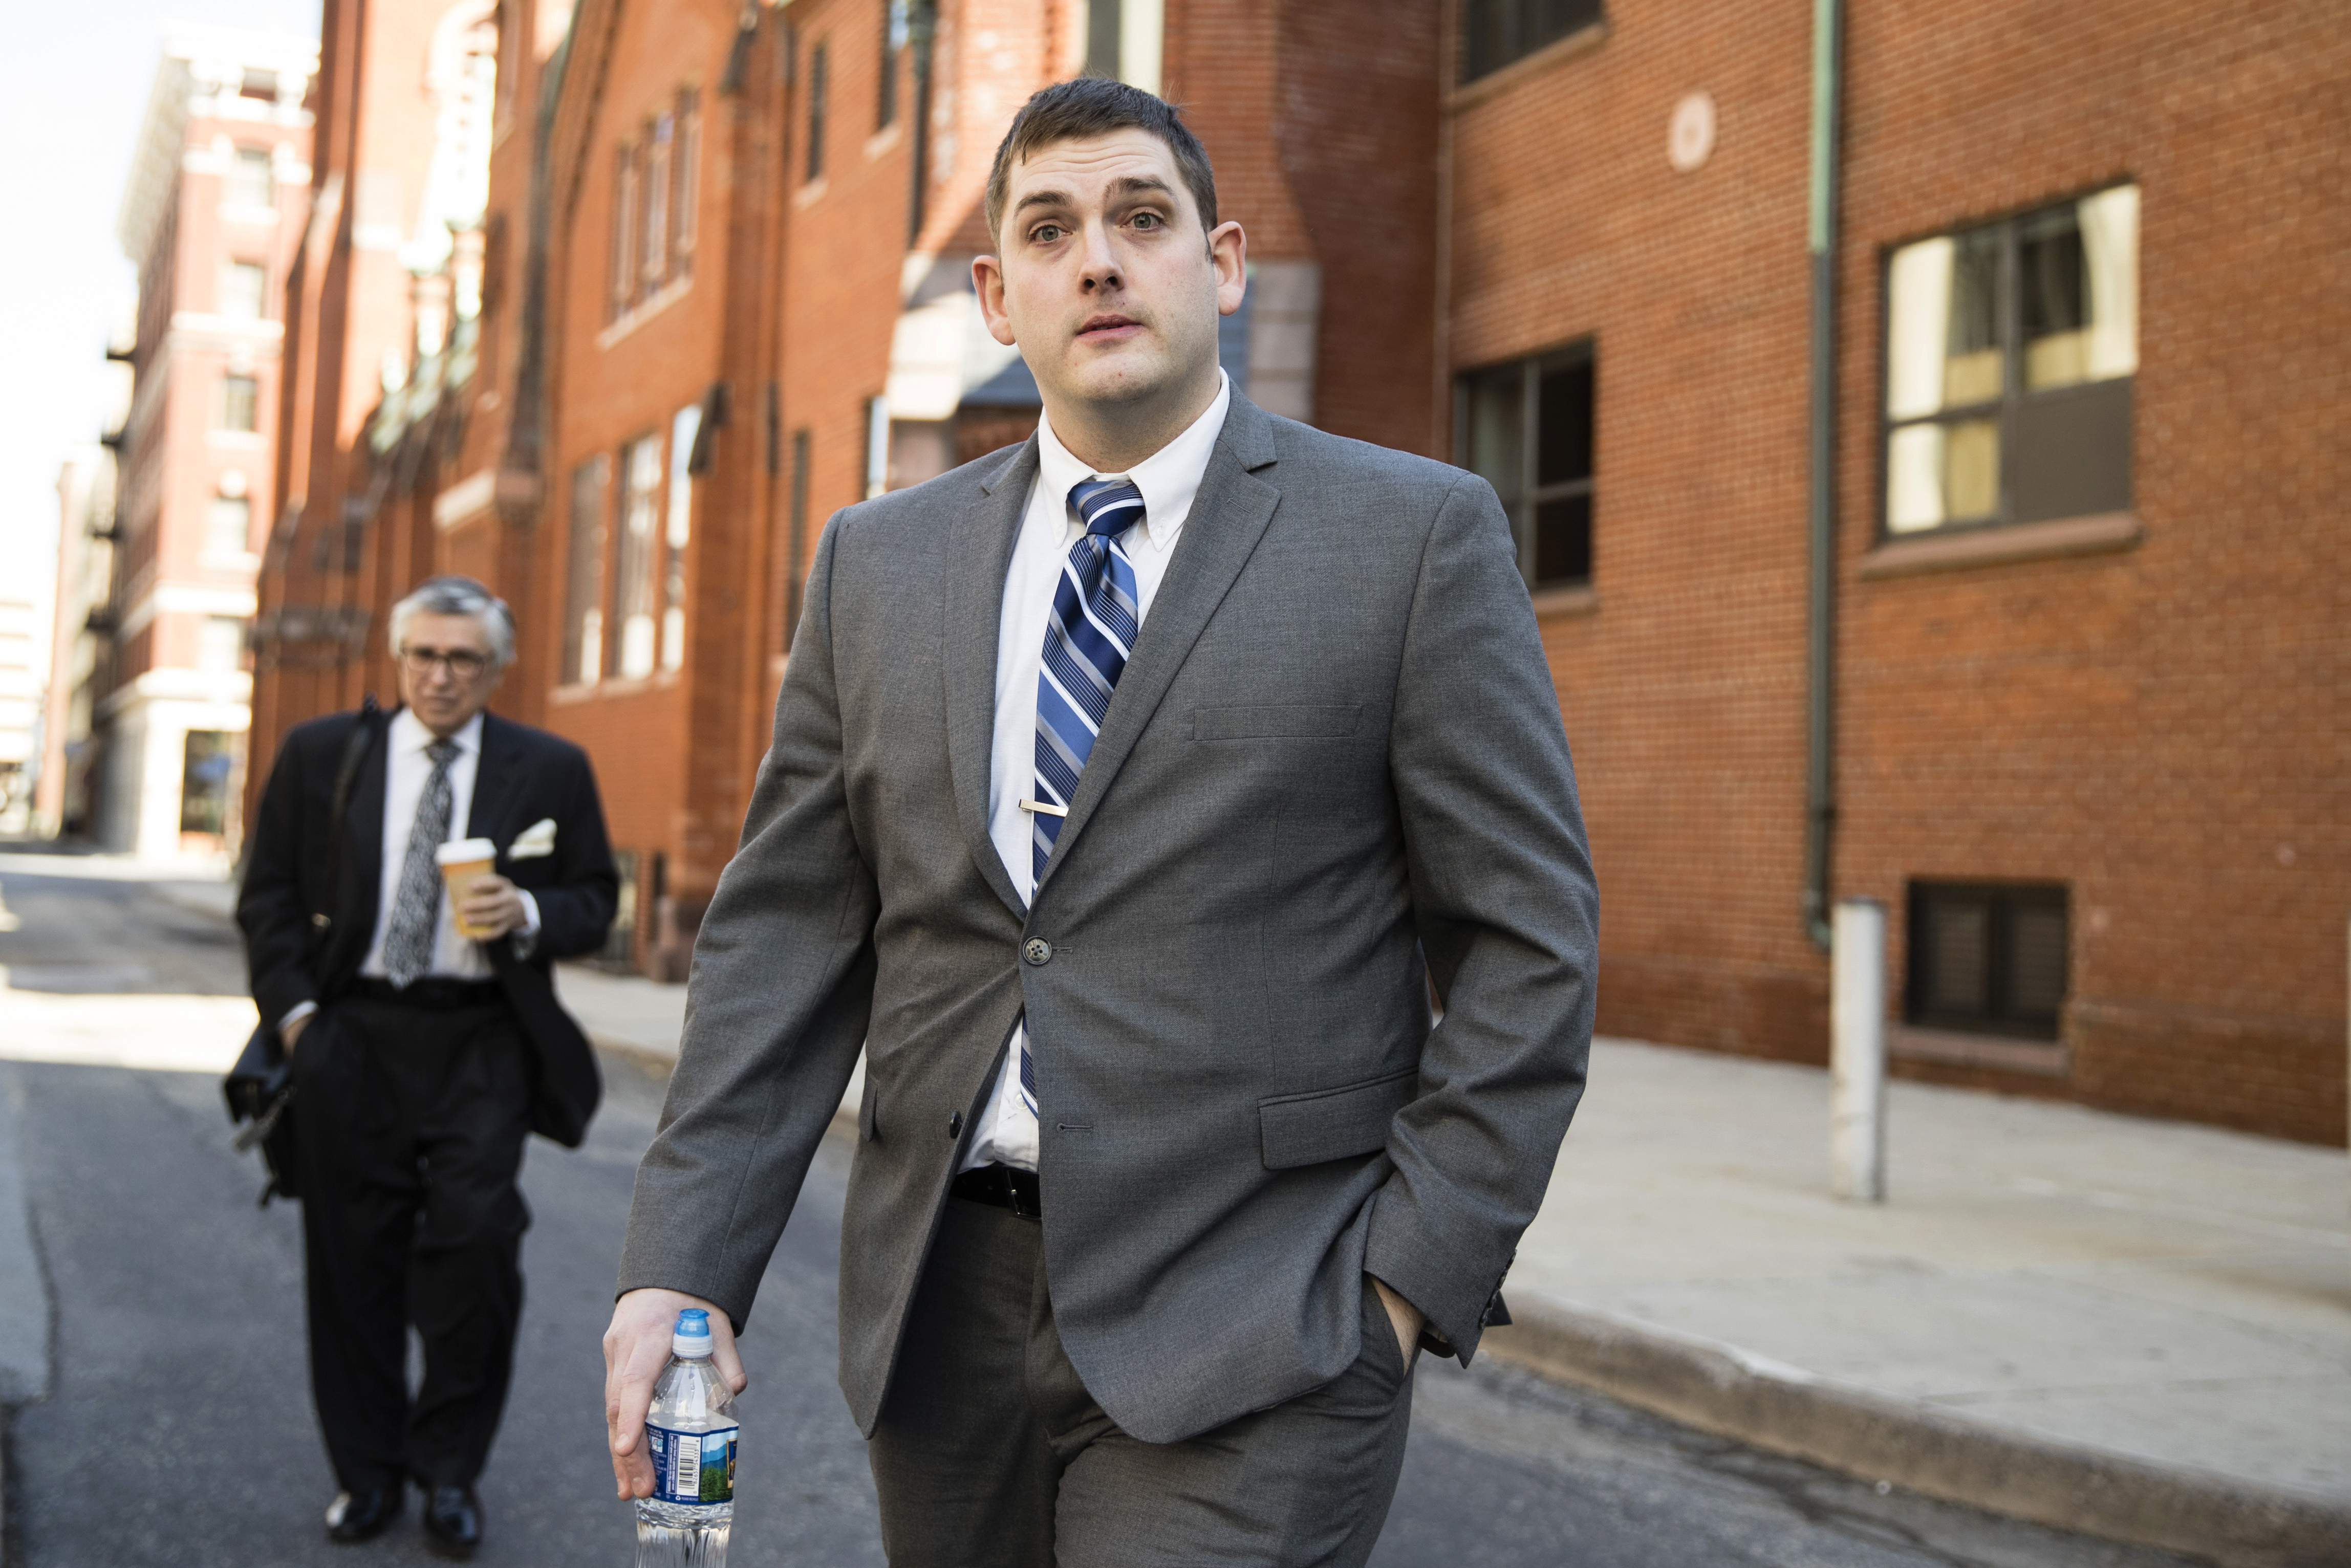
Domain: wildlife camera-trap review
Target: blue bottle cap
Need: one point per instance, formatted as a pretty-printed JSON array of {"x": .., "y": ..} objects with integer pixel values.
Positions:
[{"x": 690, "y": 1338}]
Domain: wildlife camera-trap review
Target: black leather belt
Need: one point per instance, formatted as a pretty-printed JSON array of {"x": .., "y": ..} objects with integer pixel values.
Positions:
[
  {"x": 1000, "y": 1186},
  {"x": 436, "y": 995}
]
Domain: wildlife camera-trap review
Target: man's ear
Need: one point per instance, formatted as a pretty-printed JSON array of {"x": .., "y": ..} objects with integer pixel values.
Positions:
[
  {"x": 1229, "y": 254},
  {"x": 988, "y": 282}
]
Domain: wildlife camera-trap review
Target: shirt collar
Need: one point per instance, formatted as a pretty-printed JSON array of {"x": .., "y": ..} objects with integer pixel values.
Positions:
[
  {"x": 408, "y": 734},
  {"x": 1169, "y": 478}
]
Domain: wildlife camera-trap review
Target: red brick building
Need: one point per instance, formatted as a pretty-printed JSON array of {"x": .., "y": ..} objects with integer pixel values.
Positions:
[
  {"x": 2079, "y": 721},
  {"x": 210, "y": 217},
  {"x": 2090, "y": 661}
]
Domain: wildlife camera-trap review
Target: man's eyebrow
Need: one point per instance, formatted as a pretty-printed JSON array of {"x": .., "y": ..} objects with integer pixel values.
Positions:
[
  {"x": 1125, "y": 185},
  {"x": 1042, "y": 199}
]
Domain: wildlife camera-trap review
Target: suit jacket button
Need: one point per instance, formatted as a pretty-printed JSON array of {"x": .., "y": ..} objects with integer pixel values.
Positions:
[
  {"x": 1037, "y": 950},
  {"x": 955, "y": 1123}
]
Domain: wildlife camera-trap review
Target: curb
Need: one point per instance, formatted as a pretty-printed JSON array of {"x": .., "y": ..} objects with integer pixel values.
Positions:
[{"x": 1720, "y": 1389}]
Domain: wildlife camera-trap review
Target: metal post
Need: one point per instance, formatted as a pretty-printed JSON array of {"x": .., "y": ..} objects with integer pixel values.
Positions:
[
  {"x": 1857, "y": 1051},
  {"x": 1820, "y": 642}
]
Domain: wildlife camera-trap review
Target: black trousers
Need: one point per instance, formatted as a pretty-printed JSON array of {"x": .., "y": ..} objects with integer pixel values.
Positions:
[
  {"x": 410, "y": 1128},
  {"x": 990, "y": 1453}
]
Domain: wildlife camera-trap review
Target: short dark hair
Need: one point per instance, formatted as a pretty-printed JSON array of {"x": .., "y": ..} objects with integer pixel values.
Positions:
[{"x": 1096, "y": 106}]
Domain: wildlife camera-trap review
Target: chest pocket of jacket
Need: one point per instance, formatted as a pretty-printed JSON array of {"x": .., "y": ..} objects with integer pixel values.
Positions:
[
  {"x": 1332, "y": 1123},
  {"x": 1276, "y": 721}
]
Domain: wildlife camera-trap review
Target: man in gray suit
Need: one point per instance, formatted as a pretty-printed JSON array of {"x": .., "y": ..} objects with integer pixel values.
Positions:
[{"x": 1131, "y": 791}]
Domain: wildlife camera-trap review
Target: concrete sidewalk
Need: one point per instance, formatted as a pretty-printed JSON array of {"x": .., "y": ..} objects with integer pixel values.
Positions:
[
  {"x": 2136, "y": 1328},
  {"x": 643, "y": 1018}
]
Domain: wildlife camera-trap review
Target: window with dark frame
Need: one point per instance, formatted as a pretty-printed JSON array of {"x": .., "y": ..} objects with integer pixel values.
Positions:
[
  {"x": 240, "y": 404},
  {"x": 893, "y": 42},
  {"x": 653, "y": 245},
  {"x": 688, "y": 184},
  {"x": 583, "y": 587},
  {"x": 252, "y": 182},
  {"x": 2012, "y": 350},
  {"x": 636, "y": 581},
  {"x": 656, "y": 189},
  {"x": 1496, "y": 32},
  {"x": 624, "y": 228},
  {"x": 1526, "y": 428},
  {"x": 1987, "y": 958},
  {"x": 818, "y": 71}
]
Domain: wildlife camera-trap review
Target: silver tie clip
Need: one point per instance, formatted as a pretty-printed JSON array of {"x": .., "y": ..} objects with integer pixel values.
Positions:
[{"x": 1045, "y": 806}]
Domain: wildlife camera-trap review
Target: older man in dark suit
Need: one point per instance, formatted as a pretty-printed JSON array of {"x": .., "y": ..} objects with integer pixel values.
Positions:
[{"x": 424, "y": 1055}]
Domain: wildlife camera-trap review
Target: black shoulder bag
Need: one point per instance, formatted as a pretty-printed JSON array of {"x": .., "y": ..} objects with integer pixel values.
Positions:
[{"x": 260, "y": 1087}]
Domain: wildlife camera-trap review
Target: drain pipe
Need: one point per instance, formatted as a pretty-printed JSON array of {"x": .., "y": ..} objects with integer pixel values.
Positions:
[{"x": 1820, "y": 783}]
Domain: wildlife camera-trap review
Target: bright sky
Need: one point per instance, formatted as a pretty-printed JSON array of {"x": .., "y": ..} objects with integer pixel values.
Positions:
[{"x": 73, "y": 85}]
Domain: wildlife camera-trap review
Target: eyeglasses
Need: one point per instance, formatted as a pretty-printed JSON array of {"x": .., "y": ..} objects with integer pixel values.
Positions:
[{"x": 463, "y": 663}]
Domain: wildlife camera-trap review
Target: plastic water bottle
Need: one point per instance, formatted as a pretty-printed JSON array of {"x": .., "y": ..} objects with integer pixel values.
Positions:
[{"x": 690, "y": 1432}]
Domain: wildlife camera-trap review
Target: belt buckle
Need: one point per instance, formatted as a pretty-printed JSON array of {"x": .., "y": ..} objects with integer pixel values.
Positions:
[{"x": 1021, "y": 1202}]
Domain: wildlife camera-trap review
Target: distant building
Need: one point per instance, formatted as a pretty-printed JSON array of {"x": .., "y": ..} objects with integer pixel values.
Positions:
[
  {"x": 81, "y": 646},
  {"x": 2018, "y": 399},
  {"x": 22, "y": 660},
  {"x": 213, "y": 217}
]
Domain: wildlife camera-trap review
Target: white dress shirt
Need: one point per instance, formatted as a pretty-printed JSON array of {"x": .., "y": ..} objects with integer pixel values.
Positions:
[
  {"x": 1168, "y": 479},
  {"x": 407, "y": 769}
]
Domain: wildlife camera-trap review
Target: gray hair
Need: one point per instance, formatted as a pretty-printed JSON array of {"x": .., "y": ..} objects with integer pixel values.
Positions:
[{"x": 458, "y": 596}]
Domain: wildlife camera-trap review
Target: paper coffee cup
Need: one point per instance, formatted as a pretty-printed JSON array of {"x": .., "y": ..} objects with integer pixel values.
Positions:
[{"x": 461, "y": 860}]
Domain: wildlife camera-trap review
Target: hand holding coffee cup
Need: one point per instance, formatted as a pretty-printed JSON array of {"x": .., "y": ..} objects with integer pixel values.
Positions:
[{"x": 463, "y": 861}]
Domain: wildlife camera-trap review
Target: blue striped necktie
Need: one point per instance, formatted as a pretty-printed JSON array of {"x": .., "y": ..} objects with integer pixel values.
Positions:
[{"x": 1088, "y": 638}]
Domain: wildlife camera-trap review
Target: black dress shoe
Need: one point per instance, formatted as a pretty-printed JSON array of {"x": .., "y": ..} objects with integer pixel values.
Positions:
[
  {"x": 362, "y": 1515},
  {"x": 452, "y": 1521}
]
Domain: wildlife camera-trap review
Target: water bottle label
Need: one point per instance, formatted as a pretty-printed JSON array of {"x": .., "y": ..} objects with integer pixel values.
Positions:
[{"x": 693, "y": 1466}]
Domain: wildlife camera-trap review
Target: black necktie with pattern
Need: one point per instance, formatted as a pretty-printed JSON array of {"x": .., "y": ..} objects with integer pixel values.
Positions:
[{"x": 416, "y": 908}]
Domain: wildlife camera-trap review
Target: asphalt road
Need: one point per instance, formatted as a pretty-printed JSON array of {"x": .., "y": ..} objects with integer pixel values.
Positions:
[{"x": 179, "y": 1430}]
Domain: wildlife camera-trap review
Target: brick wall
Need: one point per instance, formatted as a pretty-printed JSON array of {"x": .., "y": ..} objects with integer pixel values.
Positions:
[
  {"x": 1683, "y": 688},
  {"x": 2158, "y": 728},
  {"x": 2161, "y": 728}
]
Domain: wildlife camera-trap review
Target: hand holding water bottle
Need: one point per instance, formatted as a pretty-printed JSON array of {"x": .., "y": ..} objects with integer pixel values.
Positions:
[
  {"x": 690, "y": 1437},
  {"x": 636, "y": 1352}
]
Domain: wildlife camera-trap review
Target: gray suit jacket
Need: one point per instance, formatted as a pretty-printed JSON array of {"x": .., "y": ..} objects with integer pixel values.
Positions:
[{"x": 1333, "y": 771}]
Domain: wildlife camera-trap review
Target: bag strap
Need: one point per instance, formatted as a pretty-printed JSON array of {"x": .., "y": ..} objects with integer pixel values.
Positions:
[{"x": 355, "y": 750}]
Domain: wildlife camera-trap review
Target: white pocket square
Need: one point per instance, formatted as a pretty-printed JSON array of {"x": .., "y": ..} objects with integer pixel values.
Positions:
[{"x": 536, "y": 839}]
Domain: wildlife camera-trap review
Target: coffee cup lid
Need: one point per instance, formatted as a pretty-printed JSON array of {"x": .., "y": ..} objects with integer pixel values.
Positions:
[{"x": 457, "y": 852}]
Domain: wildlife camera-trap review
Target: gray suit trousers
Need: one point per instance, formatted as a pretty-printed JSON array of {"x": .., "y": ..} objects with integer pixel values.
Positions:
[{"x": 990, "y": 1452}]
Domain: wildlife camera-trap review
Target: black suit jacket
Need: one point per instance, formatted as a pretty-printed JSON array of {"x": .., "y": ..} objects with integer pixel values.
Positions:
[{"x": 300, "y": 949}]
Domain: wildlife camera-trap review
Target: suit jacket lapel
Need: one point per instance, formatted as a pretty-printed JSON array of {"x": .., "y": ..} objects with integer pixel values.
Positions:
[
  {"x": 1227, "y": 517},
  {"x": 359, "y": 881},
  {"x": 496, "y": 773},
  {"x": 979, "y": 553}
]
